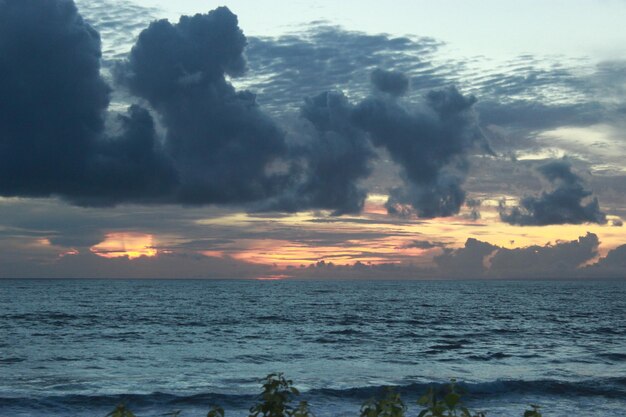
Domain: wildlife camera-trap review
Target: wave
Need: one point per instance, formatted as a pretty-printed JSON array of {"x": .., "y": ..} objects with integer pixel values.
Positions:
[{"x": 607, "y": 387}]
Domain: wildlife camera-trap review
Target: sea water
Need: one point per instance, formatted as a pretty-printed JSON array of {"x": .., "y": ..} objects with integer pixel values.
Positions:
[{"x": 79, "y": 347}]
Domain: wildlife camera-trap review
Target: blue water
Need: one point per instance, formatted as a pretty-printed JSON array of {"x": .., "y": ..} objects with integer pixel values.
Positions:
[{"x": 78, "y": 347}]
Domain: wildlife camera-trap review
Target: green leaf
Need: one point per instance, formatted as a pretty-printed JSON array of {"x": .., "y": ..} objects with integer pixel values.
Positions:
[{"x": 452, "y": 399}]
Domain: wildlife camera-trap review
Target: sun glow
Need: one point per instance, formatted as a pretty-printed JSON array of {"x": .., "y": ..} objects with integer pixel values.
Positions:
[{"x": 129, "y": 244}]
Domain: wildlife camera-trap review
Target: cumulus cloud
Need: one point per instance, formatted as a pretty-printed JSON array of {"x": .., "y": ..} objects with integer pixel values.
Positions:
[
  {"x": 52, "y": 120},
  {"x": 468, "y": 261},
  {"x": 481, "y": 259},
  {"x": 335, "y": 158},
  {"x": 53, "y": 138},
  {"x": 219, "y": 146},
  {"x": 431, "y": 145},
  {"x": 52, "y": 97},
  {"x": 558, "y": 260},
  {"x": 58, "y": 135},
  {"x": 429, "y": 141},
  {"x": 562, "y": 205},
  {"x": 220, "y": 141},
  {"x": 613, "y": 265},
  {"x": 391, "y": 82}
]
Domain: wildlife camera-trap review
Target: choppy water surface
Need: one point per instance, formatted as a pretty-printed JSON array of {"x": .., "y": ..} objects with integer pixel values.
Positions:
[{"x": 77, "y": 347}]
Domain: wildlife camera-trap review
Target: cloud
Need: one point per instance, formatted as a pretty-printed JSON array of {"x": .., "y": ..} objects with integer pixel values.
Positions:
[
  {"x": 391, "y": 82},
  {"x": 323, "y": 57},
  {"x": 477, "y": 259},
  {"x": 52, "y": 127},
  {"x": 195, "y": 139},
  {"x": 430, "y": 143},
  {"x": 423, "y": 244},
  {"x": 335, "y": 157},
  {"x": 53, "y": 97},
  {"x": 468, "y": 261},
  {"x": 563, "y": 205},
  {"x": 118, "y": 22},
  {"x": 613, "y": 265},
  {"x": 220, "y": 141},
  {"x": 481, "y": 259},
  {"x": 164, "y": 265},
  {"x": 560, "y": 260}
]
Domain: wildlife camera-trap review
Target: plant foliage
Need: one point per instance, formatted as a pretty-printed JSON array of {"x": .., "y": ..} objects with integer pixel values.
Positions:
[{"x": 278, "y": 394}]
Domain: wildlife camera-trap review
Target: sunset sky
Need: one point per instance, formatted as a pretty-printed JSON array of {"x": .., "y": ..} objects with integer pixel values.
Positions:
[{"x": 313, "y": 139}]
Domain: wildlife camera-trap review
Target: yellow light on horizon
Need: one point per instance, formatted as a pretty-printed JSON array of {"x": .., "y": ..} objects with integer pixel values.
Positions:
[{"x": 125, "y": 244}]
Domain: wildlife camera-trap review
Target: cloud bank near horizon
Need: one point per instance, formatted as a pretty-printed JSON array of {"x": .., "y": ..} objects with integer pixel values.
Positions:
[{"x": 576, "y": 259}]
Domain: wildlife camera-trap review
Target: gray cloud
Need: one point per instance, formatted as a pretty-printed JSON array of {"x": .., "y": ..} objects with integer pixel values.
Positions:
[
  {"x": 613, "y": 265},
  {"x": 220, "y": 147},
  {"x": 53, "y": 97},
  {"x": 179, "y": 265},
  {"x": 219, "y": 139},
  {"x": 557, "y": 260},
  {"x": 477, "y": 259},
  {"x": 563, "y": 205},
  {"x": 325, "y": 57},
  {"x": 468, "y": 262},
  {"x": 52, "y": 129},
  {"x": 430, "y": 144},
  {"x": 424, "y": 244},
  {"x": 391, "y": 82},
  {"x": 480, "y": 259},
  {"x": 336, "y": 157},
  {"x": 118, "y": 22}
]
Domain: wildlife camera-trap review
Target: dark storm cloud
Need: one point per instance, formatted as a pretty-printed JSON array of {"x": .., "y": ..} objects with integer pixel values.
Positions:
[
  {"x": 128, "y": 167},
  {"x": 221, "y": 142},
  {"x": 474, "y": 206},
  {"x": 562, "y": 205},
  {"x": 52, "y": 97},
  {"x": 391, "y": 82},
  {"x": 429, "y": 143},
  {"x": 52, "y": 130},
  {"x": 336, "y": 156},
  {"x": 52, "y": 139},
  {"x": 59, "y": 137}
]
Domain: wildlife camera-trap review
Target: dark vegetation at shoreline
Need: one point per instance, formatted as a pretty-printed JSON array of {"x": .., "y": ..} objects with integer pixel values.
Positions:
[{"x": 279, "y": 393}]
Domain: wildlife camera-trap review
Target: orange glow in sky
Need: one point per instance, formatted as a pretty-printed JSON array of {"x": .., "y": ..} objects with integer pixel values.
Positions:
[
  {"x": 129, "y": 244},
  {"x": 284, "y": 253},
  {"x": 378, "y": 240}
]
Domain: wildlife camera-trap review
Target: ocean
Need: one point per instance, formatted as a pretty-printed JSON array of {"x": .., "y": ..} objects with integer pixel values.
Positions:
[{"x": 79, "y": 347}]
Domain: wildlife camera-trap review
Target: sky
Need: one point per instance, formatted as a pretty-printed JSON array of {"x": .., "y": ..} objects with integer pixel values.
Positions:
[{"x": 312, "y": 139}]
